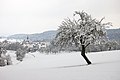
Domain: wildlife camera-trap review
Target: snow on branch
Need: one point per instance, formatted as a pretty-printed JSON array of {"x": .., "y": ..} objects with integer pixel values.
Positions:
[{"x": 82, "y": 30}]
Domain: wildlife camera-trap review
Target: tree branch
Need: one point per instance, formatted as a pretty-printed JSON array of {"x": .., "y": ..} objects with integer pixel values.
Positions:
[
  {"x": 87, "y": 45},
  {"x": 102, "y": 19}
]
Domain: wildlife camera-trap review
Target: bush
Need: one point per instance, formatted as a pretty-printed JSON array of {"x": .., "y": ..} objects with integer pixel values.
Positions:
[
  {"x": 20, "y": 54},
  {"x": 4, "y": 58}
]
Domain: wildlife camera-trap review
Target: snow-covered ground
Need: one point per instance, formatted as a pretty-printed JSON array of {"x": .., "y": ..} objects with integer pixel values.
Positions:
[{"x": 64, "y": 66}]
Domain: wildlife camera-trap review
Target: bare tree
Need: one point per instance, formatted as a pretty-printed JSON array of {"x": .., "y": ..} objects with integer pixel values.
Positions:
[{"x": 82, "y": 31}]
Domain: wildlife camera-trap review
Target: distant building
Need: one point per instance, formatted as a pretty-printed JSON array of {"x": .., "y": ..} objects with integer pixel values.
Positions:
[{"x": 43, "y": 44}]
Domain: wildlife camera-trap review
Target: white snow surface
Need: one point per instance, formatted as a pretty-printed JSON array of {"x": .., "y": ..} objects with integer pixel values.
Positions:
[{"x": 65, "y": 66}]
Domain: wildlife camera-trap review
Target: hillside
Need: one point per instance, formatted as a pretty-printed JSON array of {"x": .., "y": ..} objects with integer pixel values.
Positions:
[
  {"x": 47, "y": 35},
  {"x": 67, "y": 66},
  {"x": 113, "y": 34}
]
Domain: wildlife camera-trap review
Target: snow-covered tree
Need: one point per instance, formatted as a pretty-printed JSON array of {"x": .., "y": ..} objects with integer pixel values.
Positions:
[
  {"x": 111, "y": 45},
  {"x": 5, "y": 59},
  {"x": 20, "y": 54},
  {"x": 82, "y": 31}
]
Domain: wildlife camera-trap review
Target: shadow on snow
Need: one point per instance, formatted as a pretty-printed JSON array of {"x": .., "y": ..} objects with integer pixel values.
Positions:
[{"x": 98, "y": 63}]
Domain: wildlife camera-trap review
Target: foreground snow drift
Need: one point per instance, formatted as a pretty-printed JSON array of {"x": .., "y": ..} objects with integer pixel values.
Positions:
[{"x": 65, "y": 66}]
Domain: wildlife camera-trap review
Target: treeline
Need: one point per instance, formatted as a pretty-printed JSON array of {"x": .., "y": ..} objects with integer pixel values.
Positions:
[{"x": 102, "y": 46}]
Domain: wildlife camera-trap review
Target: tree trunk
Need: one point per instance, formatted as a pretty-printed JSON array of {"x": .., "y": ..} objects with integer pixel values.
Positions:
[{"x": 83, "y": 54}]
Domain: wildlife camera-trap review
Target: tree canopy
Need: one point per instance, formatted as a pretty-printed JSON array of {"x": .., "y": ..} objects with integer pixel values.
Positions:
[{"x": 81, "y": 30}]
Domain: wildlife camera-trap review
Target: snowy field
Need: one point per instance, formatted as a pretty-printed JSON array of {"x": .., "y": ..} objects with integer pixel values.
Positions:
[{"x": 64, "y": 66}]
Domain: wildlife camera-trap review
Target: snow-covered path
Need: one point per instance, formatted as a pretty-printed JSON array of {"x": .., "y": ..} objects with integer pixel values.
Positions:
[{"x": 67, "y": 66}]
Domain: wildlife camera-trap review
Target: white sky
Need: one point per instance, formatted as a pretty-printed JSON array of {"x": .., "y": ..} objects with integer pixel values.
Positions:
[{"x": 35, "y": 16}]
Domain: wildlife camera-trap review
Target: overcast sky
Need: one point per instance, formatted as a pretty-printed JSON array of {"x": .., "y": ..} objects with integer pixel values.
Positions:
[{"x": 35, "y": 16}]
